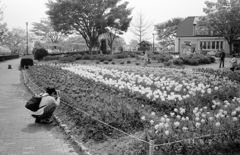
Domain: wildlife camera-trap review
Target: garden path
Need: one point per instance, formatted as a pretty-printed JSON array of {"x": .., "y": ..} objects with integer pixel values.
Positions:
[{"x": 19, "y": 135}]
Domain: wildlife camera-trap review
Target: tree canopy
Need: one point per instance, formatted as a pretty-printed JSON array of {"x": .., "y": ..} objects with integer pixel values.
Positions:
[
  {"x": 223, "y": 17},
  {"x": 45, "y": 30},
  {"x": 167, "y": 31},
  {"x": 89, "y": 18}
]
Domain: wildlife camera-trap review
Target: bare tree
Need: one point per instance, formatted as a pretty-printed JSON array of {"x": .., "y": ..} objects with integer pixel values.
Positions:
[{"x": 141, "y": 28}]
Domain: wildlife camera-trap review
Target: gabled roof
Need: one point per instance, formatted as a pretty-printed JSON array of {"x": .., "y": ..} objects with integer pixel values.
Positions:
[{"x": 185, "y": 28}]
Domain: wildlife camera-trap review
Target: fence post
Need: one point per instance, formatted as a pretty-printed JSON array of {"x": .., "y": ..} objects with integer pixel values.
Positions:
[{"x": 151, "y": 147}]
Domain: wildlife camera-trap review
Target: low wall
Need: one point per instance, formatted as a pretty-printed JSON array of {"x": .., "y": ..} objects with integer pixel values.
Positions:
[{"x": 8, "y": 57}]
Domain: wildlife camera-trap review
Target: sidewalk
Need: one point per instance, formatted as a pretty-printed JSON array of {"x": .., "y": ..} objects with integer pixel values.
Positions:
[{"x": 19, "y": 135}]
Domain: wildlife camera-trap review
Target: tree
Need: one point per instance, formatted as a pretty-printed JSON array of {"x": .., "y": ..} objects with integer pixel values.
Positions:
[
  {"x": 223, "y": 17},
  {"x": 15, "y": 40},
  {"x": 167, "y": 31},
  {"x": 45, "y": 30},
  {"x": 140, "y": 28},
  {"x": 89, "y": 18},
  {"x": 133, "y": 44}
]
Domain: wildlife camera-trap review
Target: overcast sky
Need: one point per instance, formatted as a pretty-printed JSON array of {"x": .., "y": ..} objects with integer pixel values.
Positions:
[{"x": 18, "y": 12}]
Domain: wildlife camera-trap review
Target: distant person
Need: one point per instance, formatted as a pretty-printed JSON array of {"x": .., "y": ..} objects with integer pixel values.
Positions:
[
  {"x": 50, "y": 100},
  {"x": 222, "y": 58},
  {"x": 233, "y": 63},
  {"x": 146, "y": 59}
]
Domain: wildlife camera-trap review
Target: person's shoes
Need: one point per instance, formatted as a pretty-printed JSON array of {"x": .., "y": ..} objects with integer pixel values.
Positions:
[
  {"x": 37, "y": 119},
  {"x": 46, "y": 121}
]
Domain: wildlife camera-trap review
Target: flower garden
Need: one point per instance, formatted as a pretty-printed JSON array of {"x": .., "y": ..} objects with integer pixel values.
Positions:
[{"x": 183, "y": 111}]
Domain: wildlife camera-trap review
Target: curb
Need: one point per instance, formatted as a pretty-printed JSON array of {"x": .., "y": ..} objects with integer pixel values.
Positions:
[{"x": 63, "y": 126}]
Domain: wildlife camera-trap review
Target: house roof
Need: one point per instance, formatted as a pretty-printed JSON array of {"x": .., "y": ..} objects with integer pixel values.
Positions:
[{"x": 185, "y": 28}]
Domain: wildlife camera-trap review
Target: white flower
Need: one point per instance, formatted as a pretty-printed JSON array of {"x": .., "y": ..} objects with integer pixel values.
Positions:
[
  {"x": 210, "y": 118},
  {"x": 167, "y": 132},
  {"x": 198, "y": 124},
  {"x": 163, "y": 119},
  {"x": 197, "y": 118},
  {"x": 152, "y": 122},
  {"x": 202, "y": 121},
  {"x": 216, "y": 88},
  {"x": 175, "y": 110},
  {"x": 176, "y": 124},
  {"x": 184, "y": 128},
  {"x": 172, "y": 114},
  {"x": 178, "y": 117},
  {"x": 234, "y": 113},
  {"x": 235, "y": 118},
  {"x": 143, "y": 118},
  {"x": 218, "y": 124},
  {"x": 153, "y": 113},
  {"x": 187, "y": 118}
]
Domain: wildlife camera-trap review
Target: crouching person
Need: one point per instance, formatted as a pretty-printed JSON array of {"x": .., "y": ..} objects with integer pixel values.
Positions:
[{"x": 49, "y": 102}]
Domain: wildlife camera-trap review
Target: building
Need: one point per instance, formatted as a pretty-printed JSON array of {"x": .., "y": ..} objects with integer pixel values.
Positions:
[{"x": 191, "y": 38}]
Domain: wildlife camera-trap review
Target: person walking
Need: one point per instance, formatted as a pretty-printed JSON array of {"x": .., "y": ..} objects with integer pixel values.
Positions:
[
  {"x": 49, "y": 102},
  {"x": 222, "y": 58}
]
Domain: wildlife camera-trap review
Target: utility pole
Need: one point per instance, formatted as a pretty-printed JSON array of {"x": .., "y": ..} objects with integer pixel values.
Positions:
[{"x": 27, "y": 36}]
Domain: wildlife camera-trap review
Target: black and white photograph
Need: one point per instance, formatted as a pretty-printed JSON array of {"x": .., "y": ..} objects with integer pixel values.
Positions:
[{"x": 119, "y": 77}]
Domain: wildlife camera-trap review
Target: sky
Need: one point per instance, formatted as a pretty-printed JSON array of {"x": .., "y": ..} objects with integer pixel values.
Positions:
[{"x": 18, "y": 12}]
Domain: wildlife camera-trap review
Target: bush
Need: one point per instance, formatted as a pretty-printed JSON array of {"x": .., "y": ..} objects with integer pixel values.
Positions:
[
  {"x": 168, "y": 63},
  {"x": 26, "y": 62},
  {"x": 40, "y": 53},
  {"x": 122, "y": 62},
  {"x": 162, "y": 57},
  {"x": 113, "y": 63},
  {"x": 137, "y": 63},
  {"x": 97, "y": 62},
  {"x": 50, "y": 58},
  {"x": 197, "y": 59},
  {"x": 120, "y": 55},
  {"x": 67, "y": 59},
  {"x": 106, "y": 62},
  {"x": 178, "y": 61},
  {"x": 128, "y": 62}
]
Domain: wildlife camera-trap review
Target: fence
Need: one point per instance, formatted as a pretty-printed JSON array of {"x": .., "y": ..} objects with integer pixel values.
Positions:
[{"x": 66, "y": 100}]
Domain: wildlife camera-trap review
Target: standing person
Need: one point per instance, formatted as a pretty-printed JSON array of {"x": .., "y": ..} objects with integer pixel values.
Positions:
[
  {"x": 222, "y": 57},
  {"x": 50, "y": 100},
  {"x": 145, "y": 58},
  {"x": 233, "y": 63}
]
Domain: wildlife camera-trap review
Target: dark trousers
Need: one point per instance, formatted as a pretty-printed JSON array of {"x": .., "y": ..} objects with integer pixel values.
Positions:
[
  {"x": 221, "y": 63},
  {"x": 47, "y": 112}
]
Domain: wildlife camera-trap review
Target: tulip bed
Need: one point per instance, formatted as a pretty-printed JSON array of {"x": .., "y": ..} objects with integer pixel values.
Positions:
[{"x": 170, "y": 104}]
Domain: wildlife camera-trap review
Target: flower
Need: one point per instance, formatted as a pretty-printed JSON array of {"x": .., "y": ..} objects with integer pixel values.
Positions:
[
  {"x": 153, "y": 113},
  {"x": 235, "y": 118},
  {"x": 143, "y": 118},
  {"x": 167, "y": 132},
  {"x": 152, "y": 122},
  {"x": 176, "y": 124},
  {"x": 198, "y": 124},
  {"x": 218, "y": 124},
  {"x": 184, "y": 128}
]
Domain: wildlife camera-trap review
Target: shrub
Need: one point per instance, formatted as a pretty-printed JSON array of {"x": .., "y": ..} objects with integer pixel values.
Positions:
[
  {"x": 86, "y": 57},
  {"x": 196, "y": 59},
  {"x": 97, "y": 62},
  {"x": 105, "y": 62},
  {"x": 120, "y": 55},
  {"x": 128, "y": 62},
  {"x": 178, "y": 61},
  {"x": 40, "y": 53},
  {"x": 67, "y": 59},
  {"x": 49, "y": 58},
  {"x": 162, "y": 57},
  {"x": 113, "y": 63},
  {"x": 122, "y": 62},
  {"x": 137, "y": 63},
  {"x": 168, "y": 63},
  {"x": 26, "y": 62}
]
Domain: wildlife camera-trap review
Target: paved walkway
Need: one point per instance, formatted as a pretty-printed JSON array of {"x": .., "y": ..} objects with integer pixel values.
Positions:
[{"x": 19, "y": 135}]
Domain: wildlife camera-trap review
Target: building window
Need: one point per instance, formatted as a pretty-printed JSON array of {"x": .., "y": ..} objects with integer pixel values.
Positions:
[
  {"x": 213, "y": 45},
  {"x": 210, "y": 45}
]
